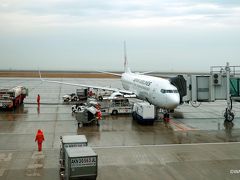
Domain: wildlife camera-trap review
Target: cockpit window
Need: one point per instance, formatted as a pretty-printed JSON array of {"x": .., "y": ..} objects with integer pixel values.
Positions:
[{"x": 168, "y": 91}]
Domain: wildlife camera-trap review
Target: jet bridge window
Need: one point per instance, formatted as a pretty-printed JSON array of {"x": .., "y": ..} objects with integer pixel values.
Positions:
[{"x": 168, "y": 91}]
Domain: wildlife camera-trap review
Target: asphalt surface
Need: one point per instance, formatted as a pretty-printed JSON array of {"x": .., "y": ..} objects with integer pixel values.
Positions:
[{"x": 195, "y": 144}]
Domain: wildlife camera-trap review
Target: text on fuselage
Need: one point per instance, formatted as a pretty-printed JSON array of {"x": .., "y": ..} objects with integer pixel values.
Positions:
[{"x": 143, "y": 82}]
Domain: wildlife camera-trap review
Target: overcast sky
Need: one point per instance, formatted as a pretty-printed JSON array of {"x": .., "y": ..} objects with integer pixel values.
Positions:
[{"x": 161, "y": 35}]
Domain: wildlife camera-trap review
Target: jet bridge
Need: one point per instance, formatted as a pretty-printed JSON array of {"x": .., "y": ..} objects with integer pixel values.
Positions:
[
  {"x": 235, "y": 88},
  {"x": 222, "y": 83},
  {"x": 180, "y": 83}
]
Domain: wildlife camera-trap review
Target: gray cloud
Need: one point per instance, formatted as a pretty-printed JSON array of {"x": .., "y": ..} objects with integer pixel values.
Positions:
[
  {"x": 119, "y": 13},
  {"x": 86, "y": 35}
]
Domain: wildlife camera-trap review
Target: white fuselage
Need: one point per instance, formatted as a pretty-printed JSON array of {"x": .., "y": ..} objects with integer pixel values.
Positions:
[{"x": 157, "y": 91}]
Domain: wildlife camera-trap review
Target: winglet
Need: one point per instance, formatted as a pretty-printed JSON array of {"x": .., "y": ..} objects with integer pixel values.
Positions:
[
  {"x": 147, "y": 72},
  {"x": 115, "y": 74}
]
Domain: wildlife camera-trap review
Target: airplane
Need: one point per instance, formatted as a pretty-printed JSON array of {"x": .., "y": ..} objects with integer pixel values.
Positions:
[{"x": 155, "y": 90}]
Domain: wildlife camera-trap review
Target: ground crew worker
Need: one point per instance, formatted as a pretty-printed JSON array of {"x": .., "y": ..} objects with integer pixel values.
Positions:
[
  {"x": 38, "y": 99},
  {"x": 99, "y": 116},
  {"x": 39, "y": 138},
  {"x": 166, "y": 118},
  {"x": 38, "y": 109}
]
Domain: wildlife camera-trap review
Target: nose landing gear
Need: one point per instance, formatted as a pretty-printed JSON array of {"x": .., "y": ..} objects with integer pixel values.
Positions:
[{"x": 228, "y": 115}]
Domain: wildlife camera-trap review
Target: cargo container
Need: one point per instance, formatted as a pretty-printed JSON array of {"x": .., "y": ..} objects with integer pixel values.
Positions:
[
  {"x": 82, "y": 93},
  {"x": 80, "y": 163},
  {"x": 70, "y": 141}
]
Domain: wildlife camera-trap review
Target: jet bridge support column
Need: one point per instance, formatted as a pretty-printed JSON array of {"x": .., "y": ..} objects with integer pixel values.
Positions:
[{"x": 228, "y": 115}]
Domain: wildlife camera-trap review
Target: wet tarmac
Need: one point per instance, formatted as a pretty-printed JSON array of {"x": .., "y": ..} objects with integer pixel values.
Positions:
[{"x": 195, "y": 144}]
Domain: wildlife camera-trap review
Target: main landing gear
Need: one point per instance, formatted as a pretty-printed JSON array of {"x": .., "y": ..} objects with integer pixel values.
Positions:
[{"x": 228, "y": 114}]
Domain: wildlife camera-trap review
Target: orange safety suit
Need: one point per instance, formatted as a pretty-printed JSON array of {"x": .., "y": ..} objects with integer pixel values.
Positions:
[
  {"x": 38, "y": 99},
  {"x": 39, "y": 138},
  {"x": 99, "y": 116}
]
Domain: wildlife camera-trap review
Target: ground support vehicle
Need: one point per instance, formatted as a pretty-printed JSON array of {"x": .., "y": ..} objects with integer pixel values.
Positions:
[
  {"x": 12, "y": 97},
  {"x": 70, "y": 97},
  {"x": 116, "y": 106},
  {"x": 143, "y": 113},
  {"x": 99, "y": 94},
  {"x": 81, "y": 94},
  {"x": 78, "y": 107}
]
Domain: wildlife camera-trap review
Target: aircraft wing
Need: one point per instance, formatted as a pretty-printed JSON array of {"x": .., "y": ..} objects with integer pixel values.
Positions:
[
  {"x": 115, "y": 74},
  {"x": 89, "y": 86},
  {"x": 147, "y": 72}
]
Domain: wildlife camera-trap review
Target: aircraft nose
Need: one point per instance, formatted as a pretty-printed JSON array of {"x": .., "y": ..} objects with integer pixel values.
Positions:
[{"x": 173, "y": 101}]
